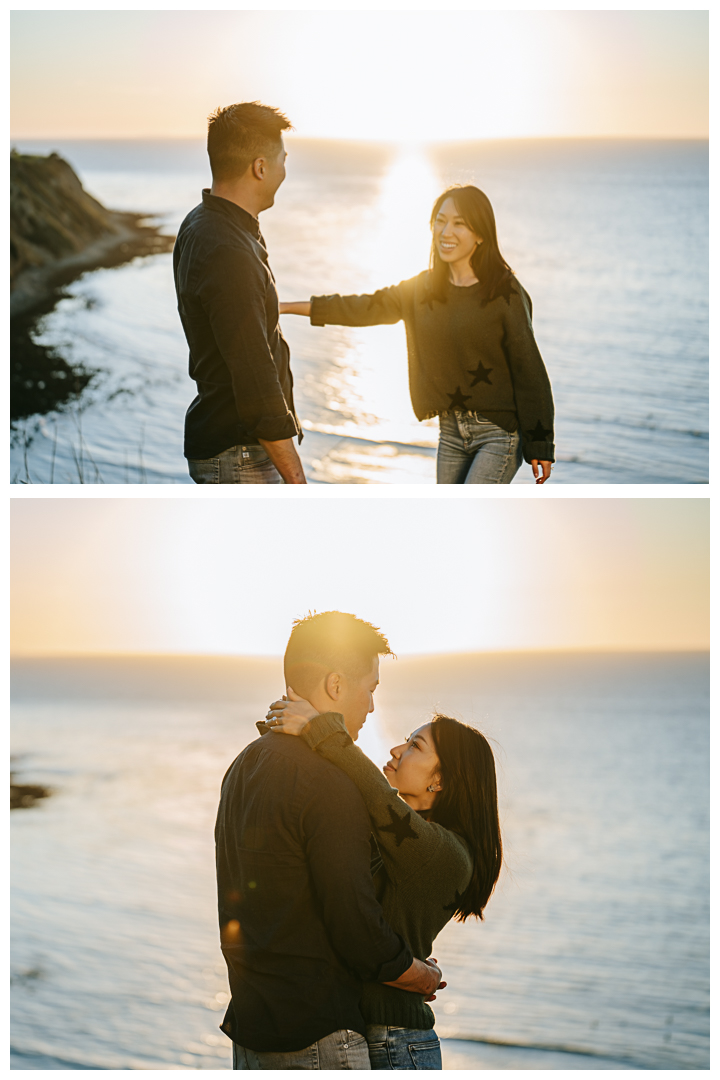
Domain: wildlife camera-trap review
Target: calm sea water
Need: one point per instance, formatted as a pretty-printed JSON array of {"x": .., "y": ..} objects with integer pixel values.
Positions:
[
  {"x": 610, "y": 238},
  {"x": 594, "y": 950}
]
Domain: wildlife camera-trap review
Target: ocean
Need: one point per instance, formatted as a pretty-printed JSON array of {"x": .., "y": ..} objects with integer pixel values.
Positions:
[
  {"x": 609, "y": 237},
  {"x": 594, "y": 949}
]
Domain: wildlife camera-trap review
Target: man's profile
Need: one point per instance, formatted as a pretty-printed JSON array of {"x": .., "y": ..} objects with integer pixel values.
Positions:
[{"x": 241, "y": 425}]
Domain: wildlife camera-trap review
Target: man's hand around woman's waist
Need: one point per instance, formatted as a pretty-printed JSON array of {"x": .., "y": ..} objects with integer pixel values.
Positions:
[{"x": 422, "y": 977}]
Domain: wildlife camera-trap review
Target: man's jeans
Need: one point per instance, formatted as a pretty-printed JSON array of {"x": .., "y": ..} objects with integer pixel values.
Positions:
[
  {"x": 472, "y": 450},
  {"x": 340, "y": 1050},
  {"x": 403, "y": 1048},
  {"x": 238, "y": 465}
]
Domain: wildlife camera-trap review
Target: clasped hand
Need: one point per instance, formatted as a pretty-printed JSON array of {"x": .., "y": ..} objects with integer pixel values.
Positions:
[{"x": 290, "y": 714}]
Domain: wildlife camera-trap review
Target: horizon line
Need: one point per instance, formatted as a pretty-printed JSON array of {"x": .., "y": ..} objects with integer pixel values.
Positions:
[
  {"x": 646, "y": 649},
  {"x": 380, "y": 139}
]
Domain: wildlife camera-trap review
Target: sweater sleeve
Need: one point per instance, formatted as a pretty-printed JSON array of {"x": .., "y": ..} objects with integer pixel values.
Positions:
[
  {"x": 372, "y": 309},
  {"x": 338, "y": 851},
  {"x": 533, "y": 394},
  {"x": 407, "y": 842}
]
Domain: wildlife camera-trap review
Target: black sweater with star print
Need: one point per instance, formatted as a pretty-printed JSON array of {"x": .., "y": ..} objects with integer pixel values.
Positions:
[
  {"x": 424, "y": 869},
  {"x": 464, "y": 353}
]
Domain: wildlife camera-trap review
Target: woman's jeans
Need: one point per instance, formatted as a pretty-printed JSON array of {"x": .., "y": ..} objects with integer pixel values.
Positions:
[
  {"x": 403, "y": 1048},
  {"x": 472, "y": 450},
  {"x": 238, "y": 465},
  {"x": 340, "y": 1050}
]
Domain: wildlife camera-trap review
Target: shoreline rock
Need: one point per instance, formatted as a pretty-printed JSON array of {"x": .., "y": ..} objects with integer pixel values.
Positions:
[
  {"x": 58, "y": 232},
  {"x": 23, "y": 796}
]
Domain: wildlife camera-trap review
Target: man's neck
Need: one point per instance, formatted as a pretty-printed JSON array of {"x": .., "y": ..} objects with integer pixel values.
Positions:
[{"x": 240, "y": 195}]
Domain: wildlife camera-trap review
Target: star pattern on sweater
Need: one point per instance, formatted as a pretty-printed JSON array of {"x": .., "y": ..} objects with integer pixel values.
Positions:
[
  {"x": 400, "y": 826},
  {"x": 482, "y": 374},
  {"x": 539, "y": 433},
  {"x": 458, "y": 399},
  {"x": 454, "y": 904},
  {"x": 506, "y": 290}
]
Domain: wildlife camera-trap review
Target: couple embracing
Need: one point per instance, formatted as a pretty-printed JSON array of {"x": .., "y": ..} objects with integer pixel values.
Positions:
[
  {"x": 334, "y": 879},
  {"x": 472, "y": 355}
]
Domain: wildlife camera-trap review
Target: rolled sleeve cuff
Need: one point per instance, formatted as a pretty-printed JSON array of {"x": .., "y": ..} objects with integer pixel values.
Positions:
[
  {"x": 393, "y": 969},
  {"x": 318, "y": 312},
  {"x": 275, "y": 428}
]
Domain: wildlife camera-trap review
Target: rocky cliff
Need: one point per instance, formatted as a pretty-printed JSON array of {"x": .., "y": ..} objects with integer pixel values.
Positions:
[
  {"x": 51, "y": 215},
  {"x": 57, "y": 231}
]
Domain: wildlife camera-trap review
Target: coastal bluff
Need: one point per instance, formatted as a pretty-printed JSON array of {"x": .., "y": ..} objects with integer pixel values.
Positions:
[{"x": 58, "y": 230}]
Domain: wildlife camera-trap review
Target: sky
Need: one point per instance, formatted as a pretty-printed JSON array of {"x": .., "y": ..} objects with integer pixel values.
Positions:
[
  {"x": 228, "y": 576},
  {"x": 405, "y": 76}
]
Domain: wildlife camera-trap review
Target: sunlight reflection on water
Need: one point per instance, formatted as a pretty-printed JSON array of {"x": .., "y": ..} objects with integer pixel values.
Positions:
[
  {"x": 396, "y": 248},
  {"x": 600, "y": 233},
  {"x": 596, "y": 939}
]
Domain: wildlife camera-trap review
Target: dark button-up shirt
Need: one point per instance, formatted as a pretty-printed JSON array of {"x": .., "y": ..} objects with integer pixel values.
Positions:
[
  {"x": 300, "y": 926},
  {"x": 228, "y": 306}
]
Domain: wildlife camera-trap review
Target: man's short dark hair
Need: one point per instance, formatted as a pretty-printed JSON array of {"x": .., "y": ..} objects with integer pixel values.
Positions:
[
  {"x": 239, "y": 134},
  {"x": 336, "y": 641}
]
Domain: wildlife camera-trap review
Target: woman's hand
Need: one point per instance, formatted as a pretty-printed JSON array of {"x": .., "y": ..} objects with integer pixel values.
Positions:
[
  {"x": 290, "y": 714},
  {"x": 546, "y": 467}
]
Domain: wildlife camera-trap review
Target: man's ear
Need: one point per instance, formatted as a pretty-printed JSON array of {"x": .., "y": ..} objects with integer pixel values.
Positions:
[
  {"x": 258, "y": 168},
  {"x": 333, "y": 685}
]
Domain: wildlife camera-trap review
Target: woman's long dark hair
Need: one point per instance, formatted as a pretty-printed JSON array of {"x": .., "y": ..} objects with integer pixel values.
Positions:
[
  {"x": 467, "y": 803},
  {"x": 488, "y": 265}
]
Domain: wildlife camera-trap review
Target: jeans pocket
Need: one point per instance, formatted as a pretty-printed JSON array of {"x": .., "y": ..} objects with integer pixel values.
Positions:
[
  {"x": 205, "y": 472},
  {"x": 426, "y": 1055},
  {"x": 379, "y": 1056}
]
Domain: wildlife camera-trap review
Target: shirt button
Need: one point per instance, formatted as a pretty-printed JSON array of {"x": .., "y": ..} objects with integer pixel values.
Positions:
[{"x": 346, "y": 1046}]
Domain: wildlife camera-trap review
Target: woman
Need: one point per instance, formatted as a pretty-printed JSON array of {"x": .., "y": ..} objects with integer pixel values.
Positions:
[
  {"x": 436, "y": 825},
  {"x": 472, "y": 355}
]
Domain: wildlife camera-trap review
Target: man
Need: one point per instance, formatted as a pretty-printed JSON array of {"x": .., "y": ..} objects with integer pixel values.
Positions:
[
  {"x": 240, "y": 427},
  {"x": 299, "y": 923}
]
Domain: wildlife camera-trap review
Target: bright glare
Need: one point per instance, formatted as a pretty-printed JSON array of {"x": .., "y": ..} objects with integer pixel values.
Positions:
[
  {"x": 399, "y": 247},
  {"x": 395, "y": 75},
  {"x": 395, "y": 247},
  {"x": 438, "y": 575}
]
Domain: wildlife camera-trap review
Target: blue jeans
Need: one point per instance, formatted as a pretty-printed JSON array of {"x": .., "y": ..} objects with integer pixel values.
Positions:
[
  {"x": 342, "y": 1049},
  {"x": 403, "y": 1048},
  {"x": 472, "y": 450},
  {"x": 238, "y": 465}
]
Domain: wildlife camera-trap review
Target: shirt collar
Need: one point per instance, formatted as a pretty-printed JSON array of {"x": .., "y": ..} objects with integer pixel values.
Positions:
[{"x": 233, "y": 211}]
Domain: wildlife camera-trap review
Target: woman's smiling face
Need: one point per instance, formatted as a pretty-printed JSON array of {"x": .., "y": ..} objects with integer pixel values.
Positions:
[
  {"x": 454, "y": 241},
  {"x": 413, "y": 767}
]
